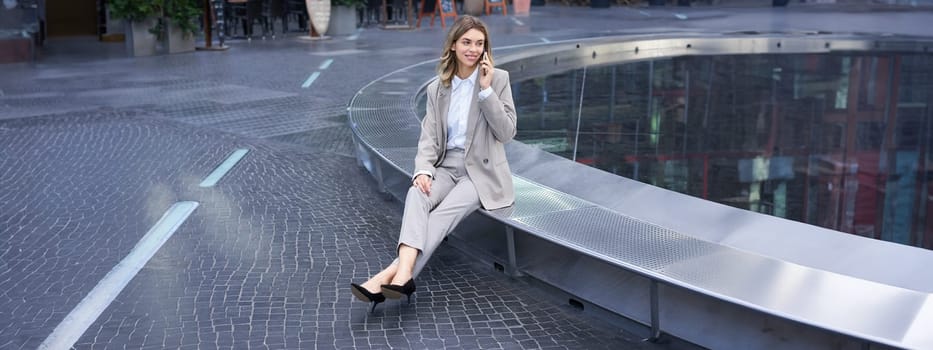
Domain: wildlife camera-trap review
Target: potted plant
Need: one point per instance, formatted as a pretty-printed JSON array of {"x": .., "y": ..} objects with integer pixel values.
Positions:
[
  {"x": 179, "y": 23},
  {"x": 141, "y": 24},
  {"x": 344, "y": 16}
]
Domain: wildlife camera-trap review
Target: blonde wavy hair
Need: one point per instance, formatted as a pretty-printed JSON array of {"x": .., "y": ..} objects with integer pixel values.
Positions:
[{"x": 447, "y": 66}]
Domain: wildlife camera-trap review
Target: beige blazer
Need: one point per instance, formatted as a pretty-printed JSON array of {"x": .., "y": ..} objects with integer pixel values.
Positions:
[{"x": 490, "y": 124}]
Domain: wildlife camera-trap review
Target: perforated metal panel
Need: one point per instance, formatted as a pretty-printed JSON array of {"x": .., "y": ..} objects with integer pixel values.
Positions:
[
  {"x": 619, "y": 239},
  {"x": 402, "y": 157},
  {"x": 398, "y": 139},
  {"x": 383, "y": 120},
  {"x": 394, "y": 91},
  {"x": 381, "y": 114},
  {"x": 532, "y": 199},
  {"x": 386, "y": 127},
  {"x": 376, "y": 121},
  {"x": 374, "y": 99}
]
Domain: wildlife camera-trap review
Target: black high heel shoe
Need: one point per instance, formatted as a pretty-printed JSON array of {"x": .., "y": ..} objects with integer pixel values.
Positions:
[
  {"x": 364, "y": 295},
  {"x": 395, "y": 291}
]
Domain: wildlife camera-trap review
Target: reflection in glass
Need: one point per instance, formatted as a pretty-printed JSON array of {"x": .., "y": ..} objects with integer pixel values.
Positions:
[{"x": 840, "y": 141}]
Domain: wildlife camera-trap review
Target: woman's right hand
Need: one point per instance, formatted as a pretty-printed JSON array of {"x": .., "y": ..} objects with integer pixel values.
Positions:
[{"x": 423, "y": 183}]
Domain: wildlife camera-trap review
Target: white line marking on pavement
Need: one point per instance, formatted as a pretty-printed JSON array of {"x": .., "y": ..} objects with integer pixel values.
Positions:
[
  {"x": 545, "y": 39},
  {"x": 326, "y": 64},
  {"x": 680, "y": 16},
  {"x": 89, "y": 309},
  {"x": 645, "y": 13},
  {"x": 517, "y": 21},
  {"x": 310, "y": 80},
  {"x": 223, "y": 168},
  {"x": 355, "y": 36}
]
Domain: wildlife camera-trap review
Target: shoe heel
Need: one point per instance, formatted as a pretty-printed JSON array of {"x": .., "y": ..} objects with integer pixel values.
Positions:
[
  {"x": 395, "y": 291},
  {"x": 364, "y": 295}
]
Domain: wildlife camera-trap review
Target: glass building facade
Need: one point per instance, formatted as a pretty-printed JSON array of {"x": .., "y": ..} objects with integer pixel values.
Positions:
[{"x": 840, "y": 140}]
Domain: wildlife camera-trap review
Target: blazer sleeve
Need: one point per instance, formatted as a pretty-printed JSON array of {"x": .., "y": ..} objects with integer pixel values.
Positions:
[
  {"x": 428, "y": 144},
  {"x": 499, "y": 109}
]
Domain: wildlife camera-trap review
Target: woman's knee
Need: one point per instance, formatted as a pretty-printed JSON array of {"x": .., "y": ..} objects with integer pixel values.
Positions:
[
  {"x": 415, "y": 196},
  {"x": 413, "y": 191}
]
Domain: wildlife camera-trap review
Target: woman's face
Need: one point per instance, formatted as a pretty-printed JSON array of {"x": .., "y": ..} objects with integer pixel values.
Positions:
[{"x": 469, "y": 48}]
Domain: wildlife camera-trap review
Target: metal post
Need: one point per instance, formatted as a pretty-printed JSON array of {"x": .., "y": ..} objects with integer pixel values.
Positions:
[
  {"x": 612, "y": 95},
  {"x": 543, "y": 102},
  {"x": 513, "y": 261},
  {"x": 576, "y": 139},
  {"x": 701, "y": 146},
  {"x": 655, "y": 313},
  {"x": 686, "y": 105}
]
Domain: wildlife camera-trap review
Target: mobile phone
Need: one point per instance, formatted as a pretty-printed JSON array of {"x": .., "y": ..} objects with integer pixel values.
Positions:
[{"x": 484, "y": 59}]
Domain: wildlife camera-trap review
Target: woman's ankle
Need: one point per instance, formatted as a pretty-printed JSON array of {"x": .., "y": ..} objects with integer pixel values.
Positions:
[
  {"x": 400, "y": 279},
  {"x": 373, "y": 285}
]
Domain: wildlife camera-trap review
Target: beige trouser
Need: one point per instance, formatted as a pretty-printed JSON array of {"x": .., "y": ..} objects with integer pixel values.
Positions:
[{"x": 429, "y": 218}]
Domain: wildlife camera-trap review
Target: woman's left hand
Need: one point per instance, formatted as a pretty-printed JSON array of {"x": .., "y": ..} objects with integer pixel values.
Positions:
[{"x": 485, "y": 72}]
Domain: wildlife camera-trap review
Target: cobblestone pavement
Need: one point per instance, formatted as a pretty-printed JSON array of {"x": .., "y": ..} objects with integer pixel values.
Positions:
[{"x": 94, "y": 148}]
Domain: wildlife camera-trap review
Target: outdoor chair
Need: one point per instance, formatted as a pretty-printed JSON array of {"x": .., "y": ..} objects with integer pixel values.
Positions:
[
  {"x": 490, "y": 4},
  {"x": 446, "y": 9}
]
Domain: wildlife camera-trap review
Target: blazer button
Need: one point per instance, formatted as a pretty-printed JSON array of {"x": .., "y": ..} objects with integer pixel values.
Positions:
[{"x": 485, "y": 161}]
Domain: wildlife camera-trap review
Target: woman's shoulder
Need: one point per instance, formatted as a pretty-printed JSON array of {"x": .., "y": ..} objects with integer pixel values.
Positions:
[
  {"x": 501, "y": 75},
  {"x": 434, "y": 84}
]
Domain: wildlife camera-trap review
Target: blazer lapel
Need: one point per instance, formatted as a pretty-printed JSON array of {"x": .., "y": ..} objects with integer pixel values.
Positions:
[{"x": 443, "y": 104}]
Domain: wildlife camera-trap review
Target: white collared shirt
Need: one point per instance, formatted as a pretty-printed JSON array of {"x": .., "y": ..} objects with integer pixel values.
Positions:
[{"x": 461, "y": 94}]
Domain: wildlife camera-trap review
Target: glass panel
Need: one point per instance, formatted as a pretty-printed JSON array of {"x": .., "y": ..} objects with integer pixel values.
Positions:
[
  {"x": 842, "y": 141},
  {"x": 547, "y": 109}
]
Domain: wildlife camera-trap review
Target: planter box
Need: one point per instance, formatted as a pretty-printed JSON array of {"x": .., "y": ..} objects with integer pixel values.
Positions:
[
  {"x": 139, "y": 41},
  {"x": 178, "y": 41},
  {"x": 343, "y": 20}
]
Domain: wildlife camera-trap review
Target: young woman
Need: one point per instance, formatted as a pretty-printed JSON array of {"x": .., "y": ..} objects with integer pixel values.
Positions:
[{"x": 461, "y": 164}]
